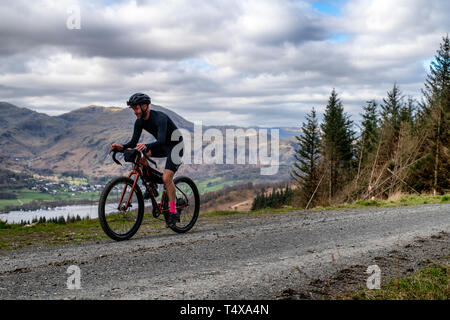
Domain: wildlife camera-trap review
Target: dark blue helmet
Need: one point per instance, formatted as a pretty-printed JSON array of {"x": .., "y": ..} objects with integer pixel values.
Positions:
[{"x": 139, "y": 99}]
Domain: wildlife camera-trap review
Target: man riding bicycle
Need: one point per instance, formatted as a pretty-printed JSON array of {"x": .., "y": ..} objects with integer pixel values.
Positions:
[{"x": 161, "y": 127}]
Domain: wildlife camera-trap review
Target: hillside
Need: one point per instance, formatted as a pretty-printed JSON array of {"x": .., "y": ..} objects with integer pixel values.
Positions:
[
  {"x": 239, "y": 197},
  {"x": 78, "y": 141}
]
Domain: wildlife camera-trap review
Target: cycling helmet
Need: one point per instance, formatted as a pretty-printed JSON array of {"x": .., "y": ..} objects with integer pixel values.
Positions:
[{"x": 139, "y": 99}]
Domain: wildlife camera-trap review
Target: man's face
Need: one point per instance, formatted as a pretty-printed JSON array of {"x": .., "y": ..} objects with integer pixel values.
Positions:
[{"x": 137, "y": 110}]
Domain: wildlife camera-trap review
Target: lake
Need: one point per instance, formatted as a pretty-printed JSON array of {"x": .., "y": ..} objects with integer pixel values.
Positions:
[{"x": 83, "y": 211}]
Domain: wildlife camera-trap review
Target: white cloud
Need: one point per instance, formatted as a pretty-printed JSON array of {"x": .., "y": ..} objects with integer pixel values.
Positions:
[{"x": 246, "y": 62}]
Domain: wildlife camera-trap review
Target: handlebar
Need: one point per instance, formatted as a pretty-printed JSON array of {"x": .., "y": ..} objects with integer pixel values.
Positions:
[
  {"x": 141, "y": 154},
  {"x": 114, "y": 156}
]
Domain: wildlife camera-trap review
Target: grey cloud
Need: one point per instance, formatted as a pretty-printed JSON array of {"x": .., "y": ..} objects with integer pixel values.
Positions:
[
  {"x": 211, "y": 28},
  {"x": 302, "y": 30},
  {"x": 270, "y": 77},
  {"x": 101, "y": 36},
  {"x": 253, "y": 116}
]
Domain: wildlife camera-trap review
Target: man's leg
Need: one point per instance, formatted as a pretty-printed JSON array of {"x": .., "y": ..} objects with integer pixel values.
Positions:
[
  {"x": 168, "y": 182},
  {"x": 171, "y": 194},
  {"x": 168, "y": 174}
]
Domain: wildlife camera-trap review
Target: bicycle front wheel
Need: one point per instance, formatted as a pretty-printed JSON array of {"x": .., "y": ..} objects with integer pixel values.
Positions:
[{"x": 121, "y": 209}]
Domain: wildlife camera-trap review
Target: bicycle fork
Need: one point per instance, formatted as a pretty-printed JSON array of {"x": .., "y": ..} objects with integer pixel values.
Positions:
[{"x": 131, "y": 191}]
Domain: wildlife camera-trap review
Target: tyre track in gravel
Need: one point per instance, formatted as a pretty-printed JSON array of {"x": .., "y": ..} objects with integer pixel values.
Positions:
[{"x": 233, "y": 257}]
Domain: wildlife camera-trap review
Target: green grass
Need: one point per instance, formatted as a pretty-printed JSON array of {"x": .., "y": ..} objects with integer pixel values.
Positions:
[
  {"x": 430, "y": 283},
  {"x": 13, "y": 202},
  {"x": 79, "y": 182},
  {"x": 14, "y": 236},
  {"x": 368, "y": 203},
  {"x": 26, "y": 194},
  {"x": 215, "y": 184},
  {"x": 405, "y": 200}
]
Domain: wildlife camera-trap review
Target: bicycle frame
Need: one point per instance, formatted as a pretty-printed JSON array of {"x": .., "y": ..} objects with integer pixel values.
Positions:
[{"x": 137, "y": 171}]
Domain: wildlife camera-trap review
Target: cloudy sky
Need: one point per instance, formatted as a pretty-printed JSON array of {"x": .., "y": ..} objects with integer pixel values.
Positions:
[{"x": 251, "y": 62}]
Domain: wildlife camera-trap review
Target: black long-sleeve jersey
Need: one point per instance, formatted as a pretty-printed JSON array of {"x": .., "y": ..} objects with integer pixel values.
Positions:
[{"x": 159, "y": 125}]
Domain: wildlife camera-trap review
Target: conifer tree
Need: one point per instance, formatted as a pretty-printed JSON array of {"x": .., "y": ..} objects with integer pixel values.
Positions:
[
  {"x": 438, "y": 80},
  {"x": 407, "y": 111},
  {"x": 391, "y": 108},
  {"x": 369, "y": 132},
  {"x": 305, "y": 168},
  {"x": 435, "y": 171},
  {"x": 337, "y": 144},
  {"x": 390, "y": 124},
  {"x": 257, "y": 201}
]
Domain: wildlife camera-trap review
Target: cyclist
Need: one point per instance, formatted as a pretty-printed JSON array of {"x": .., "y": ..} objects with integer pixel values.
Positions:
[{"x": 161, "y": 127}]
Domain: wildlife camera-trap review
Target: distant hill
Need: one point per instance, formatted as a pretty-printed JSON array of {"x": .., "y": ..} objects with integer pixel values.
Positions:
[{"x": 78, "y": 141}]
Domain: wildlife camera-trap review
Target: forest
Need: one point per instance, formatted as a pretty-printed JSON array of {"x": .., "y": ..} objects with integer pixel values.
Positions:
[{"x": 402, "y": 145}]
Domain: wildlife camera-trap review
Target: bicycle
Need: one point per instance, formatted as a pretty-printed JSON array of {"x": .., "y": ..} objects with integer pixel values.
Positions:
[{"x": 121, "y": 206}]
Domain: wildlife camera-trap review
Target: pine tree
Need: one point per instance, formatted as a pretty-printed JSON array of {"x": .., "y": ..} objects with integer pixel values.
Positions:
[
  {"x": 391, "y": 108},
  {"x": 369, "y": 132},
  {"x": 287, "y": 199},
  {"x": 271, "y": 199},
  {"x": 438, "y": 80},
  {"x": 337, "y": 144},
  {"x": 276, "y": 201},
  {"x": 407, "y": 112},
  {"x": 305, "y": 168},
  {"x": 390, "y": 125},
  {"x": 257, "y": 202},
  {"x": 436, "y": 116}
]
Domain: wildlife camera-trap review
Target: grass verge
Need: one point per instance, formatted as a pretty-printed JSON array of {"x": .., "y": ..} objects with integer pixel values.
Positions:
[
  {"x": 429, "y": 283},
  {"x": 15, "y": 236},
  {"x": 404, "y": 200}
]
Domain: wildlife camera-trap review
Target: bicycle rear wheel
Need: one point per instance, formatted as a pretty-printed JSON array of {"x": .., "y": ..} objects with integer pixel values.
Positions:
[
  {"x": 187, "y": 203},
  {"x": 119, "y": 221}
]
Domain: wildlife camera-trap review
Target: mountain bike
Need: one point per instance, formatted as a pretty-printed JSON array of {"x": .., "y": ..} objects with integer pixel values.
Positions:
[{"x": 121, "y": 206}]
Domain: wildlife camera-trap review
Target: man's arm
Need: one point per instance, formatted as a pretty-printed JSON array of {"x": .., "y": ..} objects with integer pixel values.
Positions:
[
  {"x": 162, "y": 131},
  {"x": 136, "y": 135}
]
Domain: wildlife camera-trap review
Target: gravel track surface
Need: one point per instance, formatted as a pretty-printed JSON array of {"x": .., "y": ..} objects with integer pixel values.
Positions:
[{"x": 230, "y": 257}]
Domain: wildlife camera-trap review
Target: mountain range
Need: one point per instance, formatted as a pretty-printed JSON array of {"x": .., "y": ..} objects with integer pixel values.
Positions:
[{"x": 78, "y": 141}]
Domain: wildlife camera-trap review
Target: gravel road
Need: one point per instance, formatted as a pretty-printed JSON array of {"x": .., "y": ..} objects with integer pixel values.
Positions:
[{"x": 231, "y": 257}]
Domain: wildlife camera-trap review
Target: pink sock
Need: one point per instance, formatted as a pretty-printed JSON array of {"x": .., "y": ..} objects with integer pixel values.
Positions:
[{"x": 172, "y": 206}]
